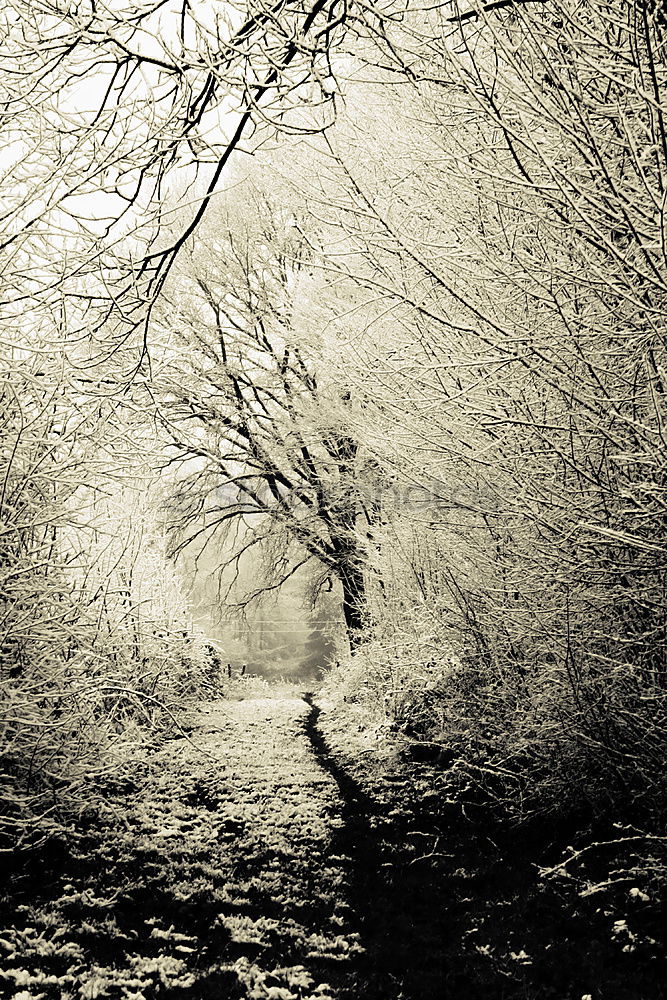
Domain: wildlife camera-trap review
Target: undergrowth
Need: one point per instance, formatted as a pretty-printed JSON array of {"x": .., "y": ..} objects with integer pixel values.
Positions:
[{"x": 522, "y": 760}]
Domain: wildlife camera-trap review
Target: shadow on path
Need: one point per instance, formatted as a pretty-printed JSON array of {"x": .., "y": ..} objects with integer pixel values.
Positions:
[{"x": 400, "y": 912}]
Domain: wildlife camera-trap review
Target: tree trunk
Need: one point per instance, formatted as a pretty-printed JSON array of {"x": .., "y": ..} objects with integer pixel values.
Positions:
[{"x": 352, "y": 581}]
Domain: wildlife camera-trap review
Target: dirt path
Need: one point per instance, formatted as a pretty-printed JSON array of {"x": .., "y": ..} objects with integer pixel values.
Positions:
[
  {"x": 266, "y": 854},
  {"x": 397, "y": 904}
]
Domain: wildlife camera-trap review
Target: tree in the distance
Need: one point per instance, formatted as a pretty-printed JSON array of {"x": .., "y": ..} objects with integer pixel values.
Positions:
[{"x": 261, "y": 433}]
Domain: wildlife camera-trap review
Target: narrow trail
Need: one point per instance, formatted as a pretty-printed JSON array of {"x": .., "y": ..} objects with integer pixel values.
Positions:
[
  {"x": 261, "y": 856},
  {"x": 242, "y": 863}
]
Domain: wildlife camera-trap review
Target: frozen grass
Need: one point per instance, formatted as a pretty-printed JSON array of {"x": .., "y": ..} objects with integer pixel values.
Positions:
[
  {"x": 280, "y": 850},
  {"x": 212, "y": 881}
]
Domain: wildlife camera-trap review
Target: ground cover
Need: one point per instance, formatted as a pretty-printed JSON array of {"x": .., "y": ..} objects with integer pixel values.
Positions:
[
  {"x": 213, "y": 878},
  {"x": 460, "y": 902},
  {"x": 281, "y": 847}
]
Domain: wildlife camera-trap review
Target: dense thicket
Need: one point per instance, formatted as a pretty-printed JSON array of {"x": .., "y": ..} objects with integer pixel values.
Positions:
[
  {"x": 97, "y": 646},
  {"x": 512, "y": 243},
  {"x": 437, "y": 365}
]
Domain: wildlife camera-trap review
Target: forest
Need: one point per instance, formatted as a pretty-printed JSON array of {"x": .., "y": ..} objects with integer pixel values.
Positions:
[{"x": 343, "y": 319}]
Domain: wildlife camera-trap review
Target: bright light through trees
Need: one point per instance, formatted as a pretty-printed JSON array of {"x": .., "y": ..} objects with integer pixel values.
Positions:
[{"x": 417, "y": 346}]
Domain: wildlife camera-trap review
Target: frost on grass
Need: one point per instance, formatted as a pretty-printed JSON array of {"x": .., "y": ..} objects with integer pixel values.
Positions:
[{"x": 216, "y": 877}]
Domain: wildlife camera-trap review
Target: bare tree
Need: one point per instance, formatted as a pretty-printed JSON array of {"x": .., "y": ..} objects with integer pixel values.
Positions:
[
  {"x": 262, "y": 437},
  {"x": 103, "y": 106}
]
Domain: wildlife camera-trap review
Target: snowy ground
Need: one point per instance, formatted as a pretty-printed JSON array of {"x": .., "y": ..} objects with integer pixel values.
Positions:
[
  {"x": 220, "y": 883},
  {"x": 278, "y": 849}
]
